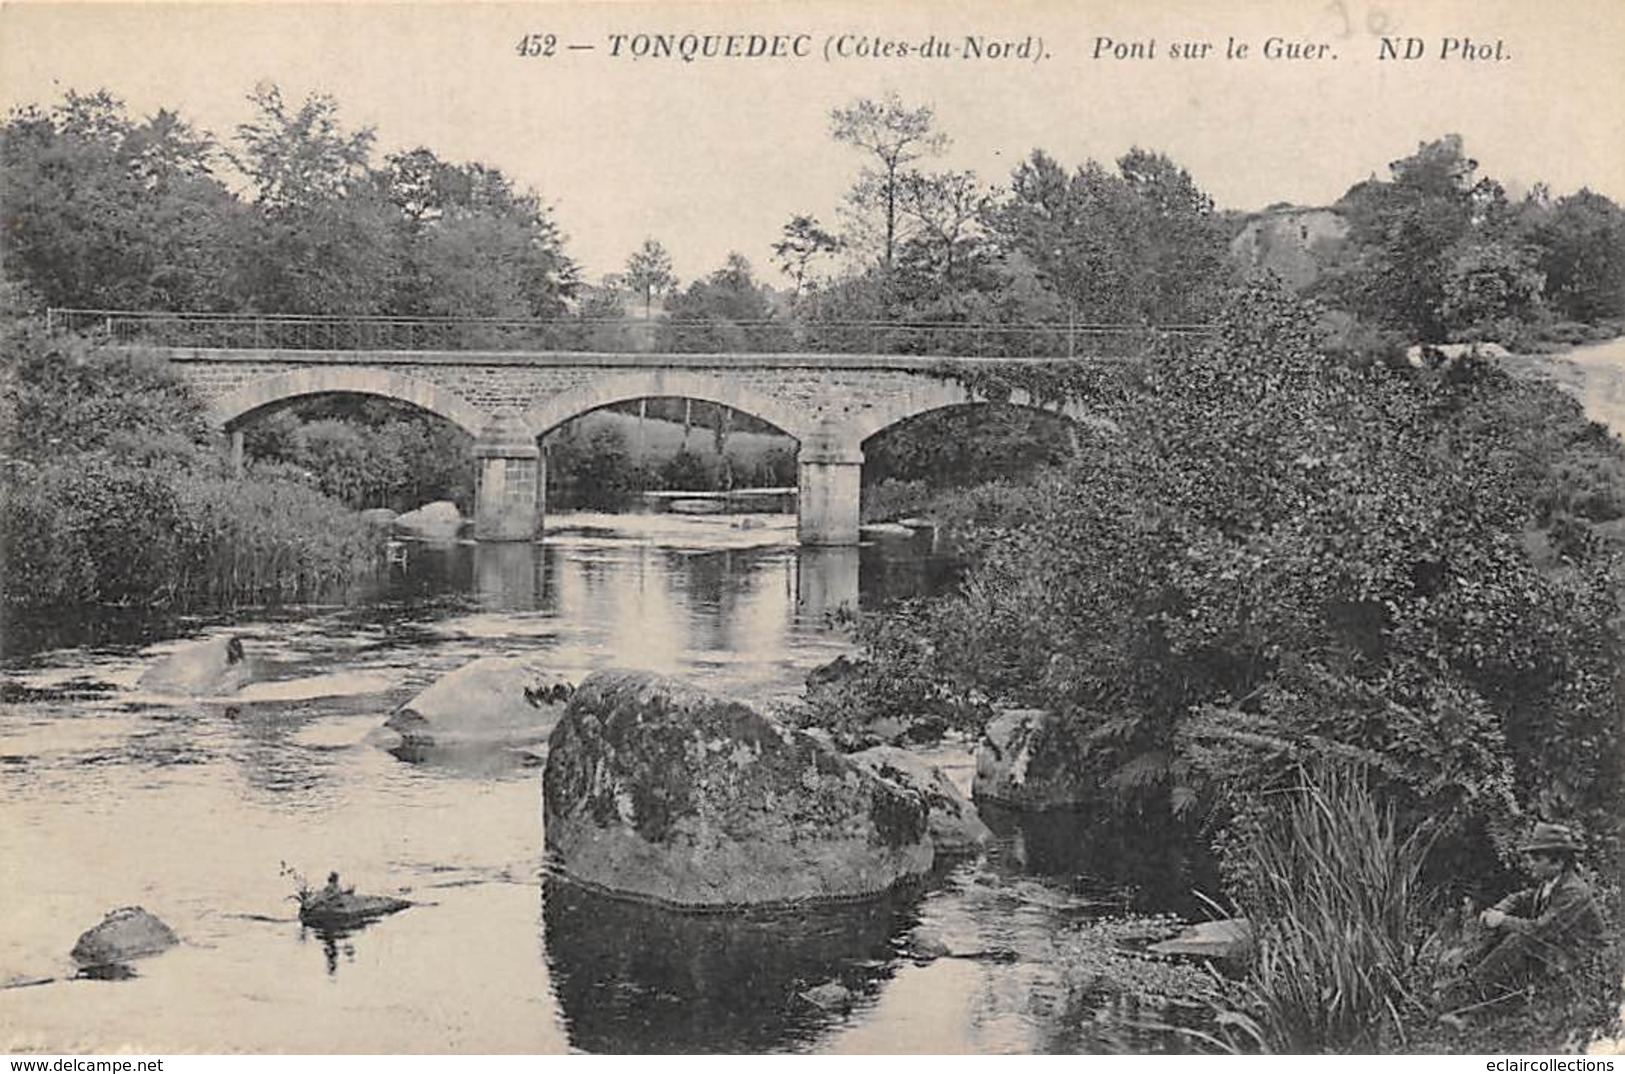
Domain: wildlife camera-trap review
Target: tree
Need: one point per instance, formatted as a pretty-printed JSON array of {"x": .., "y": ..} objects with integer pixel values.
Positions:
[
  {"x": 946, "y": 209},
  {"x": 1434, "y": 253},
  {"x": 648, "y": 270},
  {"x": 468, "y": 244},
  {"x": 1139, "y": 245},
  {"x": 1580, "y": 242},
  {"x": 103, "y": 211},
  {"x": 1182, "y": 251},
  {"x": 320, "y": 242},
  {"x": 895, "y": 135},
  {"x": 802, "y": 240},
  {"x": 726, "y": 311}
]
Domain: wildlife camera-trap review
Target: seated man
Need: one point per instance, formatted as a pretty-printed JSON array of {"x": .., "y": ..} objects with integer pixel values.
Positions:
[{"x": 1546, "y": 928}]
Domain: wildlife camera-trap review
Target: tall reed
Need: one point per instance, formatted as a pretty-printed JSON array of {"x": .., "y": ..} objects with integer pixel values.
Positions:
[{"x": 1338, "y": 907}]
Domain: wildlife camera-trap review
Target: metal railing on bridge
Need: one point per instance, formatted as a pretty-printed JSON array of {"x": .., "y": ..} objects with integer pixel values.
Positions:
[{"x": 340, "y": 332}]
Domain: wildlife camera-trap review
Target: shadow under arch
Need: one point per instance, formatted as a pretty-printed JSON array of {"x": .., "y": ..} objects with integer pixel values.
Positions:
[
  {"x": 232, "y": 409},
  {"x": 950, "y": 395},
  {"x": 546, "y": 416}
]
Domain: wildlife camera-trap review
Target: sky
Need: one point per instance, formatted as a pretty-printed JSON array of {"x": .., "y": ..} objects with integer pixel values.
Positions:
[{"x": 716, "y": 154}]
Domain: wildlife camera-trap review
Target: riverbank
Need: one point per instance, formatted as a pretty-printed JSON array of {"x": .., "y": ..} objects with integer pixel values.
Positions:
[
  {"x": 1593, "y": 373},
  {"x": 111, "y": 796}
]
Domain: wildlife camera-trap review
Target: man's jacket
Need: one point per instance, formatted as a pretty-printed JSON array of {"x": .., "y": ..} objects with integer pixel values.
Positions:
[{"x": 1559, "y": 928}]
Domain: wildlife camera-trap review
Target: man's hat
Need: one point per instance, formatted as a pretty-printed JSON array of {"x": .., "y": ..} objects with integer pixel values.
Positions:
[{"x": 1552, "y": 837}]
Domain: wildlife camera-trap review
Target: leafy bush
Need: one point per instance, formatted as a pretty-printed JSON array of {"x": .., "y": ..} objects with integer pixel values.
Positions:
[
  {"x": 1283, "y": 557},
  {"x": 898, "y": 691},
  {"x": 113, "y": 499},
  {"x": 367, "y": 452}
]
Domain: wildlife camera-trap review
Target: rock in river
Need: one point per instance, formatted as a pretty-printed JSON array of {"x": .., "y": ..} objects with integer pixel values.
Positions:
[
  {"x": 214, "y": 666},
  {"x": 346, "y": 910},
  {"x": 955, "y": 827},
  {"x": 1025, "y": 763},
  {"x": 438, "y": 521},
  {"x": 490, "y": 703},
  {"x": 1230, "y": 937},
  {"x": 659, "y": 791},
  {"x": 125, "y": 934}
]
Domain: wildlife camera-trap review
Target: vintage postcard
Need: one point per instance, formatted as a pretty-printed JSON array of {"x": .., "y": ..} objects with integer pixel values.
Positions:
[{"x": 817, "y": 527}]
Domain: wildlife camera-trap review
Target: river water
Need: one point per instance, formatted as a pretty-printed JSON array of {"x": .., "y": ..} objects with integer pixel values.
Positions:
[{"x": 201, "y": 809}]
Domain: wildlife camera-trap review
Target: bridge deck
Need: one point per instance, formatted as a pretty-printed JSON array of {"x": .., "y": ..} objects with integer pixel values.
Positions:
[{"x": 615, "y": 359}]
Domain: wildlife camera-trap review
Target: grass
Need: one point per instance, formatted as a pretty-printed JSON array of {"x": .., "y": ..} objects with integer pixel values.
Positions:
[{"x": 1336, "y": 898}]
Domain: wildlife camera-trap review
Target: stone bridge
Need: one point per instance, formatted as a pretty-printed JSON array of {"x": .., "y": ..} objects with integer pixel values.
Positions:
[{"x": 830, "y": 404}]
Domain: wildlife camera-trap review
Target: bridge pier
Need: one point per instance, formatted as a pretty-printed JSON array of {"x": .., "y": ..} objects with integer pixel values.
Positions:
[
  {"x": 829, "y": 476},
  {"x": 512, "y": 482}
]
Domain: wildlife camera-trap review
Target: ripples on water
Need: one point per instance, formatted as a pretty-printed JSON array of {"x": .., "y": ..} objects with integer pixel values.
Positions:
[{"x": 193, "y": 807}]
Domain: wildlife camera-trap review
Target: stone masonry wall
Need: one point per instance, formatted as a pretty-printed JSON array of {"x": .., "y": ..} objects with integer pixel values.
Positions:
[{"x": 854, "y": 395}]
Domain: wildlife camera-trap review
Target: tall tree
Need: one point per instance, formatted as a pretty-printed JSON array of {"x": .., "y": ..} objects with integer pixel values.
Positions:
[
  {"x": 802, "y": 240},
  {"x": 648, "y": 270},
  {"x": 1434, "y": 252},
  {"x": 320, "y": 242},
  {"x": 467, "y": 243},
  {"x": 1139, "y": 245},
  {"x": 1580, "y": 243},
  {"x": 946, "y": 209},
  {"x": 101, "y": 210},
  {"x": 895, "y": 135}
]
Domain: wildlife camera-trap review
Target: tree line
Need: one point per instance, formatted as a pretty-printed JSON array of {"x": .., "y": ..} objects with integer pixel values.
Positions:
[
  {"x": 295, "y": 215},
  {"x": 1435, "y": 252},
  {"x": 105, "y": 211}
]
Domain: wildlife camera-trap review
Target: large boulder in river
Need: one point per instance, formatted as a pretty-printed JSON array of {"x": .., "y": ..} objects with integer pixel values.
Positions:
[
  {"x": 438, "y": 521},
  {"x": 660, "y": 791},
  {"x": 493, "y": 702},
  {"x": 955, "y": 827},
  {"x": 1028, "y": 761},
  {"x": 213, "y": 666},
  {"x": 127, "y": 933}
]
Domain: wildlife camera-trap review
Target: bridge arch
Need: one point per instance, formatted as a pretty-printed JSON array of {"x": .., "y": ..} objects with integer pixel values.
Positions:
[
  {"x": 942, "y": 395},
  {"x": 264, "y": 391},
  {"x": 664, "y": 383}
]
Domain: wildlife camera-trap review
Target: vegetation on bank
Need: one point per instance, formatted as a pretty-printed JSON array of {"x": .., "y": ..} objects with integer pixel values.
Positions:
[
  {"x": 1280, "y": 562},
  {"x": 115, "y": 498}
]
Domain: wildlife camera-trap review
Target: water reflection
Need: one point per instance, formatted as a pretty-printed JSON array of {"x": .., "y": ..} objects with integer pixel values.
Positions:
[
  {"x": 894, "y": 569},
  {"x": 510, "y": 577},
  {"x": 1109, "y": 859},
  {"x": 636, "y": 978},
  {"x": 102, "y": 785},
  {"x": 334, "y": 943},
  {"x": 827, "y": 582}
]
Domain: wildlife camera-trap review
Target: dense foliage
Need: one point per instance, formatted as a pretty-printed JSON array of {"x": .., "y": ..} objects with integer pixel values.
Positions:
[
  {"x": 104, "y": 211},
  {"x": 368, "y": 452},
  {"x": 1280, "y": 557},
  {"x": 114, "y": 497},
  {"x": 1437, "y": 252}
]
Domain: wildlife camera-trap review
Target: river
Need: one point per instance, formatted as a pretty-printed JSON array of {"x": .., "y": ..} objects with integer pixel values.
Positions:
[{"x": 201, "y": 810}]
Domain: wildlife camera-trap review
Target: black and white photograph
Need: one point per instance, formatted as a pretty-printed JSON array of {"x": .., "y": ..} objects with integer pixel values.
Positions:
[{"x": 811, "y": 528}]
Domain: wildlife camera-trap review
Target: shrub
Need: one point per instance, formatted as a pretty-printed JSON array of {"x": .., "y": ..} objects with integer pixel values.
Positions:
[{"x": 1281, "y": 557}]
